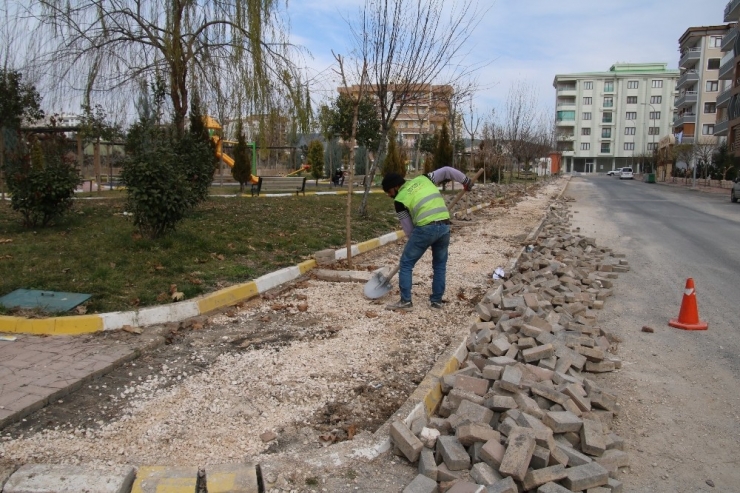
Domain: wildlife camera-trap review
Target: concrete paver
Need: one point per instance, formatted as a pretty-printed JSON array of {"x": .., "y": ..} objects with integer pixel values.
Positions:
[{"x": 36, "y": 370}]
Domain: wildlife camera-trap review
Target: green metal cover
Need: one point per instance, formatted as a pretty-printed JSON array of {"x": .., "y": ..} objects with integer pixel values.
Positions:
[{"x": 49, "y": 301}]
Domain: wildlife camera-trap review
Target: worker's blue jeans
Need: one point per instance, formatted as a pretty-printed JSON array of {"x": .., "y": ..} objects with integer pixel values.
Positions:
[{"x": 436, "y": 236}]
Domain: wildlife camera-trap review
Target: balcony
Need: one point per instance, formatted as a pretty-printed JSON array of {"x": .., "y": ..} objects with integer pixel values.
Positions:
[
  {"x": 565, "y": 123},
  {"x": 732, "y": 11},
  {"x": 568, "y": 153},
  {"x": 728, "y": 40},
  {"x": 721, "y": 128},
  {"x": 724, "y": 98},
  {"x": 727, "y": 68},
  {"x": 688, "y": 140},
  {"x": 565, "y": 90},
  {"x": 565, "y": 137},
  {"x": 687, "y": 98},
  {"x": 690, "y": 76},
  {"x": 685, "y": 118},
  {"x": 690, "y": 57}
]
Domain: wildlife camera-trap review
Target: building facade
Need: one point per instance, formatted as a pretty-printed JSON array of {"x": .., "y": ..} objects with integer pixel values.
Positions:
[
  {"x": 699, "y": 85},
  {"x": 608, "y": 120},
  {"x": 425, "y": 108},
  {"x": 728, "y": 101}
]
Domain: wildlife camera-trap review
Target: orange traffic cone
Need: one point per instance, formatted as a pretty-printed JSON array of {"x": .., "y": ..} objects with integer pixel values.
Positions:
[{"x": 688, "y": 317}]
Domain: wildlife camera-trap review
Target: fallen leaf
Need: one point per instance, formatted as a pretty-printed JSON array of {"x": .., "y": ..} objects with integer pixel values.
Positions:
[
  {"x": 136, "y": 236},
  {"x": 173, "y": 288},
  {"x": 135, "y": 302},
  {"x": 301, "y": 297},
  {"x": 371, "y": 314},
  {"x": 277, "y": 307},
  {"x": 178, "y": 296},
  {"x": 159, "y": 267},
  {"x": 351, "y": 431},
  {"x": 195, "y": 281},
  {"x": 645, "y": 328},
  {"x": 6, "y": 240},
  {"x": 162, "y": 297},
  {"x": 265, "y": 319},
  {"x": 112, "y": 265},
  {"x": 64, "y": 271},
  {"x": 131, "y": 330},
  {"x": 231, "y": 246},
  {"x": 302, "y": 307},
  {"x": 196, "y": 326},
  {"x": 81, "y": 309}
]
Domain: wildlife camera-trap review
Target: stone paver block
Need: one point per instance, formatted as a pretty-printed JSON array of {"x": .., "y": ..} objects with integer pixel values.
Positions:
[
  {"x": 453, "y": 454},
  {"x": 475, "y": 413},
  {"x": 562, "y": 421},
  {"x": 232, "y": 478},
  {"x": 484, "y": 474},
  {"x": 549, "y": 393},
  {"x": 406, "y": 441},
  {"x": 518, "y": 453},
  {"x": 478, "y": 386},
  {"x": 540, "y": 458},
  {"x": 492, "y": 453},
  {"x": 49, "y": 478},
  {"x": 537, "y": 353},
  {"x": 586, "y": 476},
  {"x": 600, "y": 367},
  {"x": 470, "y": 433},
  {"x": 501, "y": 403},
  {"x": 575, "y": 458},
  {"x": 506, "y": 485},
  {"x": 613, "y": 459},
  {"x": 500, "y": 346},
  {"x": 552, "y": 488},
  {"x": 511, "y": 378},
  {"x": 466, "y": 487},
  {"x": 427, "y": 465},
  {"x": 421, "y": 484},
  {"x": 615, "y": 486},
  {"x": 592, "y": 438},
  {"x": 538, "y": 477}
]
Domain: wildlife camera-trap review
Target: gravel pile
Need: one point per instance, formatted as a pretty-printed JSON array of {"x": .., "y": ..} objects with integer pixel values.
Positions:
[{"x": 353, "y": 365}]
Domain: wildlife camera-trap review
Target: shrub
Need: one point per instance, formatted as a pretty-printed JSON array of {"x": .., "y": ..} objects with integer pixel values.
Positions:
[
  {"x": 242, "y": 169},
  {"x": 42, "y": 182},
  {"x": 315, "y": 158}
]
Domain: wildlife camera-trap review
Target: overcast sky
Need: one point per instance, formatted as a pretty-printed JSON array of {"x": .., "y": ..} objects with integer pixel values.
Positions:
[{"x": 529, "y": 40}]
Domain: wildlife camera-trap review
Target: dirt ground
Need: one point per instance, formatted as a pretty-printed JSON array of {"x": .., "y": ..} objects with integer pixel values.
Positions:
[{"x": 297, "y": 380}]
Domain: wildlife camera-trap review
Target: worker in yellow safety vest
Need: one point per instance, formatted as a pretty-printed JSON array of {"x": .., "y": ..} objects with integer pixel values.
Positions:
[{"x": 425, "y": 219}]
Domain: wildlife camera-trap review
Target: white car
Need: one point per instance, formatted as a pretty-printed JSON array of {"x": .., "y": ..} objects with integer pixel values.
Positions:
[
  {"x": 613, "y": 172},
  {"x": 735, "y": 192},
  {"x": 626, "y": 174}
]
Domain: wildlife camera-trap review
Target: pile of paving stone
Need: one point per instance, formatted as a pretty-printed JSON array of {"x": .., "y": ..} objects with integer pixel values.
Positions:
[{"x": 523, "y": 413}]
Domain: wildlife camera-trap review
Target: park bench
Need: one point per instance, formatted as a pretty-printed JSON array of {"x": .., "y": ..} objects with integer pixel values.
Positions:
[{"x": 291, "y": 184}]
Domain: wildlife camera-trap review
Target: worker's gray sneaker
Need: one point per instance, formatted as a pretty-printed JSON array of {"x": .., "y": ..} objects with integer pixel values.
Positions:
[
  {"x": 437, "y": 304},
  {"x": 400, "y": 305}
]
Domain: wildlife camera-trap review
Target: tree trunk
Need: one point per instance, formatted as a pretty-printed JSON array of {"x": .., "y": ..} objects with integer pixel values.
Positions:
[{"x": 371, "y": 175}]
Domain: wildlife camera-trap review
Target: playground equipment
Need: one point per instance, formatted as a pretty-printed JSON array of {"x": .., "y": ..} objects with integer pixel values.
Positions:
[
  {"x": 214, "y": 131},
  {"x": 303, "y": 168}
]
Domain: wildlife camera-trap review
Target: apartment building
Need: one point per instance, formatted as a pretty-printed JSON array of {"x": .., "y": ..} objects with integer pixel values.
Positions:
[
  {"x": 699, "y": 85},
  {"x": 425, "y": 108},
  {"x": 607, "y": 120},
  {"x": 728, "y": 101}
]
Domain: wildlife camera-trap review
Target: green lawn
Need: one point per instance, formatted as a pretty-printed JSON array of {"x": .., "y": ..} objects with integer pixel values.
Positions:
[{"x": 226, "y": 240}]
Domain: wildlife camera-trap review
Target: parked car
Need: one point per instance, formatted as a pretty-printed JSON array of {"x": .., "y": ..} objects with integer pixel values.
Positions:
[
  {"x": 614, "y": 172},
  {"x": 735, "y": 192},
  {"x": 626, "y": 174}
]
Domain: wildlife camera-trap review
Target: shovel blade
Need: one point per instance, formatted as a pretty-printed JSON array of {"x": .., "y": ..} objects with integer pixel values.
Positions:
[{"x": 378, "y": 286}]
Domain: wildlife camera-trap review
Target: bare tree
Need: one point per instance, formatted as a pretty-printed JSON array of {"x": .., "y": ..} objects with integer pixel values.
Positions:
[
  {"x": 472, "y": 126},
  {"x": 704, "y": 150},
  {"x": 113, "y": 44},
  {"x": 520, "y": 121},
  {"x": 408, "y": 45}
]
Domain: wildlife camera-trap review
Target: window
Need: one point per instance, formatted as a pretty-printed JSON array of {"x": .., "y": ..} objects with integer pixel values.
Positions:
[
  {"x": 715, "y": 41},
  {"x": 608, "y": 101},
  {"x": 629, "y": 130},
  {"x": 631, "y": 99},
  {"x": 654, "y": 115},
  {"x": 586, "y": 115},
  {"x": 629, "y": 146},
  {"x": 606, "y": 117},
  {"x": 585, "y": 146},
  {"x": 713, "y": 64},
  {"x": 654, "y": 131},
  {"x": 566, "y": 115},
  {"x": 652, "y": 146},
  {"x": 609, "y": 86},
  {"x": 707, "y": 129},
  {"x": 631, "y": 115},
  {"x": 606, "y": 133},
  {"x": 587, "y": 100},
  {"x": 633, "y": 84},
  {"x": 712, "y": 86},
  {"x": 606, "y": 147},
  {"x": 656, "y": 99},
  {"x": 586, "y": 131},
  {"x": 710, "y": 107},
  {"x": 657, "y": 83},
  {"x": 588, "y": 85}
]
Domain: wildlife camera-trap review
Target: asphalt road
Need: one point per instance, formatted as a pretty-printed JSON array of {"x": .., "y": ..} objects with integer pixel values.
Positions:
[{"x": 679, "y": 388}]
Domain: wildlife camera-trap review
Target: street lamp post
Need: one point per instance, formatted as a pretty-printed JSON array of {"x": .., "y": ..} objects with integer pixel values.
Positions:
[{"x": 652, "y": 139}]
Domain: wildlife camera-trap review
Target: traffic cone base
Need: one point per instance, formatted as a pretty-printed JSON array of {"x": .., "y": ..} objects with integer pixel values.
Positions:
[{"x": 688, "y": 317}]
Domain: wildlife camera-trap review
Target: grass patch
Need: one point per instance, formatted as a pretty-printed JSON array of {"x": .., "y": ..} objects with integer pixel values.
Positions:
[{"x": 225, "y": 241}]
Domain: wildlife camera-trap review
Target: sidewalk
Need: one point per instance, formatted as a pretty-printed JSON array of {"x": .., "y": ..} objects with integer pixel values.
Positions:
[
  {"x": 700, "y": 185},
  {"x": 36, "y": 370}
]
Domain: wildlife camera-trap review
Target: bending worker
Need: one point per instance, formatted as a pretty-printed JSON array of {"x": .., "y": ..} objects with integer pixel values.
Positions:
[{"x": 425, "y": 219}]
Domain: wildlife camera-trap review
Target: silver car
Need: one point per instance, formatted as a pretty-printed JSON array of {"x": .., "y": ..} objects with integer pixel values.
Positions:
[
  {"x": 735, "y": 192},
  {"x": 626, "y": 174}
]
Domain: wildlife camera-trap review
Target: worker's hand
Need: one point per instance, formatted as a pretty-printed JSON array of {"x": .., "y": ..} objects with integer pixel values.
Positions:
[{"x": 467, "y": 184}]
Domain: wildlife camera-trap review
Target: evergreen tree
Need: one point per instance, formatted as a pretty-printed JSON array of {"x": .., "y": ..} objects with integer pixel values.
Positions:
[
  {"x": 394, "y": 161},
  {"x": 242, "y": 169},
  {"x": 443, "y": 152},
  {"x": 315, "y": 158}
]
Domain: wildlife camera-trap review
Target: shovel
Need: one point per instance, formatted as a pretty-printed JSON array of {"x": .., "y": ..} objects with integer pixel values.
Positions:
[{"x": 380, "y": 285}]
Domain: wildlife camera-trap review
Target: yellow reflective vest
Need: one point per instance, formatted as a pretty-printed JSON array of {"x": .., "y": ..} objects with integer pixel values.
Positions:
[{"x": 423, "y": 200}]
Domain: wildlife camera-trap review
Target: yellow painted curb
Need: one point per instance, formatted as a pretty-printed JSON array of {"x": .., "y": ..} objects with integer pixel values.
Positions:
[
  {"x": 368, "y": 245},
  {"x": 83, "y": 324},
  {"x": 306, "y": 266},
  {"x": 160, "y": 479},
  {"x": 8, "y": 324},
  {"x": 36, "y": 325},
  {"x": 227, "y": 297}
]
